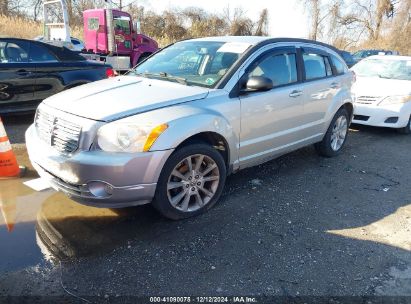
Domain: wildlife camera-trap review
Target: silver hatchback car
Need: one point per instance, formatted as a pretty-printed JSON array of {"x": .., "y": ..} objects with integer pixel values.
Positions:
[{"x": 172, "y": 129}]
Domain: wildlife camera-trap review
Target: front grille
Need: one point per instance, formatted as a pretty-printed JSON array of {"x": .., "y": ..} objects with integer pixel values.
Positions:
[
  {"x": 367, "y": 99},
  {"x": 64, "y": 136}
]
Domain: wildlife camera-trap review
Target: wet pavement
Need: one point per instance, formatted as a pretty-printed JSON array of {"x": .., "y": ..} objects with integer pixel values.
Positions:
[
  {"x": 298, "y": 225},
  {"x": 45, "y": 226}
]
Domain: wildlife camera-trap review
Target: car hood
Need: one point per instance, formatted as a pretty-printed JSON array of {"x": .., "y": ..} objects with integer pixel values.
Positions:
[
  {"x": 374, "y": 86},
  {"x": 122, "y": 96}
]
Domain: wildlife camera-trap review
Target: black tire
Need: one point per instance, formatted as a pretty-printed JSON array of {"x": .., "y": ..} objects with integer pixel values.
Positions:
[
  {"x": 161, "y": 200},
  {"x": 324, "y": 147},
  {"x": 406, "y": 129}
]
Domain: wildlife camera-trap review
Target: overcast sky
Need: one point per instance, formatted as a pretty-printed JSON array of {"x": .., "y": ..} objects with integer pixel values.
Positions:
[{"x": 286, "y": 17}]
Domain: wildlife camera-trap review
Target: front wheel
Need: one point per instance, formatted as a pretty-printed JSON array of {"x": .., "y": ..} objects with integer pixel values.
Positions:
[
  {"x": 336, "y": 135},
  {"x": 191, "y": 182}
]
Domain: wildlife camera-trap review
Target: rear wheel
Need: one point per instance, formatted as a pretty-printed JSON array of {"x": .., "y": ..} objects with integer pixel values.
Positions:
[
  {"x": 336, "y": 135},
  {"x": 406, "y": 129},
  {"x": 191, "y": 182}
]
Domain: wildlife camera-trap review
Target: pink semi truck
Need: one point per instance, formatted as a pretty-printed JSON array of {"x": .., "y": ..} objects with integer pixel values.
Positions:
[{"x": 111, "y": 36}]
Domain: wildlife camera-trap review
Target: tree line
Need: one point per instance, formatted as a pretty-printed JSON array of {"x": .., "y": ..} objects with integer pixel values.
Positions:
[
  {"x": 347, "y": 24},
  {"x": 170, "y": 25},
  {"x": 350, "y": 24}
]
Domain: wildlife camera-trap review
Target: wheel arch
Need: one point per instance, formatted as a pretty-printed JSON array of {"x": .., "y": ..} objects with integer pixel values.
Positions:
[
  {"x": 213, "y": 139},
  {"x": 187, "y": 125},
  {"x": 350, "y": 109}
]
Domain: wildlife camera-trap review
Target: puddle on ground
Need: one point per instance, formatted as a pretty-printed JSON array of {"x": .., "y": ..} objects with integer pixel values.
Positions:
[{"x": 44, "y": 226}]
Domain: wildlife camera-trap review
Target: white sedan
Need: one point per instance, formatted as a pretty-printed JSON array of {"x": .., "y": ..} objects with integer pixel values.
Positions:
[{"x": 382, "y": 92}]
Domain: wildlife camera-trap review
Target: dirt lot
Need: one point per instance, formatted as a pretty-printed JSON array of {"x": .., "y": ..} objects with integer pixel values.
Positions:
[{"x": 300, "y": 225}]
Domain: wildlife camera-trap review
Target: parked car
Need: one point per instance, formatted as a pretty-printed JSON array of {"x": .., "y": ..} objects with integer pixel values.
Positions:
[
  {"x": 348, "y": 58},
  {"x": 170, "y": 131},
  {"x": 361, "y": 54},
  {"x": 383, "y": 92},
  {"x": 31, "y": 71},
  {"x": 76, "y": 44}
]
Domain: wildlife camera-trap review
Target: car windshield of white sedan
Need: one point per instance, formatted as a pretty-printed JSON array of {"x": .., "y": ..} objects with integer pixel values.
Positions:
[
  {"x": 384, "y": 68},
  {"x": 199, "y": 63}
]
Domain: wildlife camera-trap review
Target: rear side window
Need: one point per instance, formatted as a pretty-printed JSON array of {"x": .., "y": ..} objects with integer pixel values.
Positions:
[
  {"x": 39, "y": 53},
  {"x": 339, "y": 65},
  {"x": 280, "y": 68},
  {"x": 93, "y": 24},
  {"x": 316, "y": 66}
]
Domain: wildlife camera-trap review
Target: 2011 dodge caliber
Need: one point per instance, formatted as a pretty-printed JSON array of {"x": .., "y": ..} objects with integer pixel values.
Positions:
[{"x": 172, "y": 129}]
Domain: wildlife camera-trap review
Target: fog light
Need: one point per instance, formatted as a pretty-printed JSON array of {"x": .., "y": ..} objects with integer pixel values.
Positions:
[
  {"x": 100, "y": 189},
  {"x": 391, "y": 120}
]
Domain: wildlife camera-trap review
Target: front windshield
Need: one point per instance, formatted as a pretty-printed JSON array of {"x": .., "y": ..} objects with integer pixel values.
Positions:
[
  {"x": 384, "y": 68},
  {"x": 199, "y": 63}
]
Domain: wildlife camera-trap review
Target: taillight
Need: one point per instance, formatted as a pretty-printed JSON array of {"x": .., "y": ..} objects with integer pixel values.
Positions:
[
  {"x": 354, "y": 77},
  {"x": 110, "y": 73}
]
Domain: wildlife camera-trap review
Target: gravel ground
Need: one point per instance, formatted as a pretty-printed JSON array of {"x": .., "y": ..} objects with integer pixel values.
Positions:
[{"x": 300, "y": 225}]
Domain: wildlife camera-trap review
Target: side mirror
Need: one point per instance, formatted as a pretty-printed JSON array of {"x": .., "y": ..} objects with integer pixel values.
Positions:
[{"x": 258, "y": 84}]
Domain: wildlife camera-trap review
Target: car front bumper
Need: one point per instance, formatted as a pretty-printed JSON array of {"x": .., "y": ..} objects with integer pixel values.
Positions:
[
  {"x": 98, "y": 178},
  {"x": 391, "y": 116}
]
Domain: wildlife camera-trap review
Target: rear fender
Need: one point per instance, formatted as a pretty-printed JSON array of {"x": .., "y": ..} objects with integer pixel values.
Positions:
[{"x": 341, "y": 98}]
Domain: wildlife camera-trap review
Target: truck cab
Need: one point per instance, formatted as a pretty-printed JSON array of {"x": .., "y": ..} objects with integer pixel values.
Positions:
[{"x": 110, "y": 36}]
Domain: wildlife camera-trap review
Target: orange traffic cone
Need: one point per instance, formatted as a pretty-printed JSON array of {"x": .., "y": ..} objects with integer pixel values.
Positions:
[{"x": 8, "y": 162}]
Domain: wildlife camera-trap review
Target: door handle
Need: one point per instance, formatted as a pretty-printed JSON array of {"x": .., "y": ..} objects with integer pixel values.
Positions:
[
  {"x": 23, "y": 73},
  {"x": 295, "y": 93},
  {"x": 335, "y": 85}
]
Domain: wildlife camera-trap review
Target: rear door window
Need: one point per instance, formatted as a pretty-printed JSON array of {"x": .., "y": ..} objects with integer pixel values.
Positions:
[
  {"x": 39, "y": 53},
  {"x": 316, "y": 66}
]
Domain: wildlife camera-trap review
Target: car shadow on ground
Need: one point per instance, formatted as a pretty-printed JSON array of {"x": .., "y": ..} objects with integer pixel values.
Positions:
[
  {"x": 298, "y": 225},
  {"x": 16, "y": 125}
]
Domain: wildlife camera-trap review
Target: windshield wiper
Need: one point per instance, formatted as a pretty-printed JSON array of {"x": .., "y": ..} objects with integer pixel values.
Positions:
[
  {"x": 163, "y": 75},
  {"x": 171, "y": 77}
]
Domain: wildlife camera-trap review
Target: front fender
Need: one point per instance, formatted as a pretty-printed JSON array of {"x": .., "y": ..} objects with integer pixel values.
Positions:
[{"x": 186, "y": 121}]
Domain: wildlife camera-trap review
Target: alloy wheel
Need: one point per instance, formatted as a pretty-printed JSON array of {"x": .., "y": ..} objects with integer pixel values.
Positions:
[
  {"x": 193, "y": 183},
  {"x": 339, "y": 132}
]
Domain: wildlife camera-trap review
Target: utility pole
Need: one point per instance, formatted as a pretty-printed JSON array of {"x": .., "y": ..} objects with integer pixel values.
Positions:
[{"x": 121, "y": 5}]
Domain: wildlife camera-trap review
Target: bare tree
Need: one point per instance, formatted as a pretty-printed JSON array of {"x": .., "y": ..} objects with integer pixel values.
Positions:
[
  {"x": 262, "y": 24},
  {"x": 370, "y": 15},
  {"x": 239, "y": 24},
  {"x": 4, "y": 7},
  {"x": 314, "y": 7}
]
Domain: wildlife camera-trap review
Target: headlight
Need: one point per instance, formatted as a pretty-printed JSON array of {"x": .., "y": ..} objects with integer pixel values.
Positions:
[
  {"x": 128, "y": 136},
  {"x": 395, "y": 100}
]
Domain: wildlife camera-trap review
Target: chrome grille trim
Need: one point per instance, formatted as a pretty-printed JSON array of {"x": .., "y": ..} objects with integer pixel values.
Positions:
[{"x": 60, "y": 134}]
